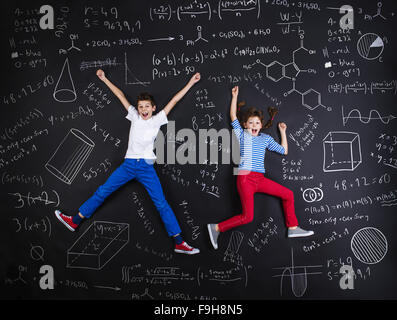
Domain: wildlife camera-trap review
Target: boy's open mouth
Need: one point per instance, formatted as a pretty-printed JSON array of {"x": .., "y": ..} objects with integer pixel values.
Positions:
[
  {"x": 254, "y": 131},
  {"x": 144, "y": 114}
]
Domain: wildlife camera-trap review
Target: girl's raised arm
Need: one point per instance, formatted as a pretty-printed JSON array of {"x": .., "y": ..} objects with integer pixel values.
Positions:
[
  {"x": 283, "y": 127},
  {"x": 233, "y": 104}
]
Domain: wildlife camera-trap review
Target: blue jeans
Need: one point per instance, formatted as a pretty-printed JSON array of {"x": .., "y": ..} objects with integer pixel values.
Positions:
[{"x": 143, "y": 171}]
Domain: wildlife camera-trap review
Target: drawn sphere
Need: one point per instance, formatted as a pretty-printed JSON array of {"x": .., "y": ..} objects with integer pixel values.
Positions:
[{"x": 369, "y": 245}]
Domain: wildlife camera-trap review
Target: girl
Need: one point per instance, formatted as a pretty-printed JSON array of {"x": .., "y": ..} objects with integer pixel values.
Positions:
[{"x": 250, "y": 179}]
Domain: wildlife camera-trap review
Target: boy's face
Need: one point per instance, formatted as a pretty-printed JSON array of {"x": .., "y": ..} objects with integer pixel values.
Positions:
[
  {"x": 145, "y": 109},
  {"x": 253, "y": 125}
]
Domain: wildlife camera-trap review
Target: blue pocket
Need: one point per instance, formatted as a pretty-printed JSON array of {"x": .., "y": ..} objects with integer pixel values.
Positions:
[{"x": 149, "y": 162}]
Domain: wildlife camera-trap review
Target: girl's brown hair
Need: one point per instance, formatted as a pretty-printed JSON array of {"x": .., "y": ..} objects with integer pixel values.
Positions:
[{"x": 244, "y": 115}]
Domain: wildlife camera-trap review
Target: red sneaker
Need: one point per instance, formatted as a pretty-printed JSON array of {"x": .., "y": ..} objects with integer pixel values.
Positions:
[
  {"x": 185, "y": 248},
  {"x": 66, "y": 220}
]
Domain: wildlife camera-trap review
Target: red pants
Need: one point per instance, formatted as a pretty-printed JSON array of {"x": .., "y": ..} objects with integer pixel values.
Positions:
[{"x": 247, "y": 186}]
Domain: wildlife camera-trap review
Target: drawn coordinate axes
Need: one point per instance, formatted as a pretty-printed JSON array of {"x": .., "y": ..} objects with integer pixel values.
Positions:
[{"x": 298, "y": 276}]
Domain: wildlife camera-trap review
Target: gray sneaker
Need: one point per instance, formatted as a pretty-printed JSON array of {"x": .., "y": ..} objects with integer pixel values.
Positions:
[
  {"x": 299, "y": 232},
  {"x": 213, "y": 235}
]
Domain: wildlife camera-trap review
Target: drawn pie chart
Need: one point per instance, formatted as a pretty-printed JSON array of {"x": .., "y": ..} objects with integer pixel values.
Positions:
[{"x": 370, "y": 46}]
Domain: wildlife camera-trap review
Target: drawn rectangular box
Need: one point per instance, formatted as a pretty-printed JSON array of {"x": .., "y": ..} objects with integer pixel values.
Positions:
[
  {"x": 342, "y": 151},
  {"x": 98, "y": 245}
]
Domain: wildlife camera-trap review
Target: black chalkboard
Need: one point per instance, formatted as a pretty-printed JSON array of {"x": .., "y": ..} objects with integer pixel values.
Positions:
[{"x": 335, "y": 88}]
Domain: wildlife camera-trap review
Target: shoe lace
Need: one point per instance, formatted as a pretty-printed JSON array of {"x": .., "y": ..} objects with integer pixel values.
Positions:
[{"x": 187, "y": 246}]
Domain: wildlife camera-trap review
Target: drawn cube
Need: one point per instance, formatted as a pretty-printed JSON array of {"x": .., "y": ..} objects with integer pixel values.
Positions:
[
  {"x": 342, "y": 151},
  {"x": 98, "y": 245}
]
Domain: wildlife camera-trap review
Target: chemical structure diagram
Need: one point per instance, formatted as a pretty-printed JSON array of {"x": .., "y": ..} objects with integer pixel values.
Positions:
[
  {"x": 19, "y": 279},
  {"x": 276, "y": 71},
  {"x": 72, "y": 38},
  {"x": 378, "y": 13}
]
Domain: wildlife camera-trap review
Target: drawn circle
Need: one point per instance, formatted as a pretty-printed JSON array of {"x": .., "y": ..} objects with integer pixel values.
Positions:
[
  {"x": 370, "y": 46},
  {"x": 309, "y": 195},
  {"x": 369, "y": 245},
  {"x": 319, "y": 194},
  {"x": 312, "y": 194},
  {"x": 36, "y": 252}
]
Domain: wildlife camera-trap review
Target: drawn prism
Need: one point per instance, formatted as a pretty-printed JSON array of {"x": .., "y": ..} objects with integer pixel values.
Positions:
[
  {"x": 98, "y": 245},
  {"x": 342, "y": 151}
]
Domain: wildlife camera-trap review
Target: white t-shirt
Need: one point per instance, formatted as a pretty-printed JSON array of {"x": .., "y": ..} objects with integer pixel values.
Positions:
[{"x": 143, "y": 133}]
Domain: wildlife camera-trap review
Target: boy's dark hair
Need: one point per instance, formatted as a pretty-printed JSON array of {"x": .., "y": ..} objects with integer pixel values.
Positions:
[
  {"x": 147, "y": 97},
  {"x": 244, "y": 115}
]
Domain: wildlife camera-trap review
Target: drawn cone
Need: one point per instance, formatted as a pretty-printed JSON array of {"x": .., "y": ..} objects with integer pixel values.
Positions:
[{"x": 64, "y": 89}]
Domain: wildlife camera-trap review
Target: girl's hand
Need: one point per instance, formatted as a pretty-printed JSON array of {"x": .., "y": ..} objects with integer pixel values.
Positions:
[
  {"x": 100, "y": 74},
  {"x": 196, "y": 78},
  {"x": 235, "y": 91},
  {"x": 282, "y": 126}
]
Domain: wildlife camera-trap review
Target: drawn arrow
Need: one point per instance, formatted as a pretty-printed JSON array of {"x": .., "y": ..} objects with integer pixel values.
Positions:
[
  {"x": 111, "y": 288},
  {"x": 162, "y": 39}
]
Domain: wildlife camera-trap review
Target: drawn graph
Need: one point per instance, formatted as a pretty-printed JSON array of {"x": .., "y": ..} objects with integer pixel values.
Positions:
[
  {"x": 370, "y": 46},
  {"x": 127, "y": 71},
  {"x": 373, "y": 115},
  {"x": 298, "y": 276},
  {"x": 70, "y": 156},
  {"x": 369, "y": 245}
]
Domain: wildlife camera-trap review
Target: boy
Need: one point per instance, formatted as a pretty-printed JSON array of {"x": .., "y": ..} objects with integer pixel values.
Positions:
[{"x": 138, "y": 162}]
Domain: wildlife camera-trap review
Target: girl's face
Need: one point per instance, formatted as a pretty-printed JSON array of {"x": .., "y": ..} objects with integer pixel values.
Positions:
[
  {"x": 145, "y": 109},
  {"x": 253, "y": 125}
]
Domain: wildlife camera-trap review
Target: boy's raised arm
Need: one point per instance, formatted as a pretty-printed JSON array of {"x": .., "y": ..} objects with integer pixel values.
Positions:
[
  {"x": 196, "y": 77},
  {"x": 117, "y": 92}
]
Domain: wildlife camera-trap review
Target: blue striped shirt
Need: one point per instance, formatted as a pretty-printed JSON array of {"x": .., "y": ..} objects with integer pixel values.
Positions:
[{"x": 253, "y": 149}]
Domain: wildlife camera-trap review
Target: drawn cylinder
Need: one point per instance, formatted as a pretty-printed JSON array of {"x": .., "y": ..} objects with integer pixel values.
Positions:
[{"x": 70, "y": 156}]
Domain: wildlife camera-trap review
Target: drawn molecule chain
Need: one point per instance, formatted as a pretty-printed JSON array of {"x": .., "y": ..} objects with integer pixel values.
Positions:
[{"x": 276, "y": 71}]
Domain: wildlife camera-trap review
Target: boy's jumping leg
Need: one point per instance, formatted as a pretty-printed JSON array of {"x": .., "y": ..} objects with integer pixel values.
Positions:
[
  {"x": 148, "y": 177},
  {"x": 118, "y": 178}
]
